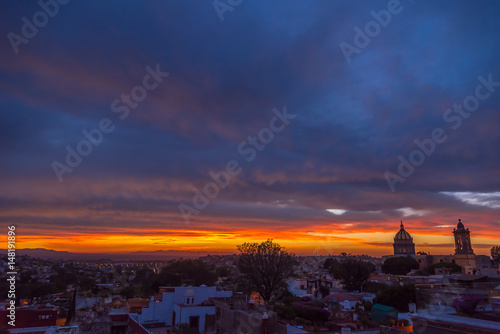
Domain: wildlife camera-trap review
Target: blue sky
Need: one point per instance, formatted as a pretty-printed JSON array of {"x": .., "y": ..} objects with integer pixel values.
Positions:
[{"x": 352, "y": 121}]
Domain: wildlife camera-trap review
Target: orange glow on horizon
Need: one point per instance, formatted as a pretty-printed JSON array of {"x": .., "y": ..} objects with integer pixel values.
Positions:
[{"x": 299, "y": 242}]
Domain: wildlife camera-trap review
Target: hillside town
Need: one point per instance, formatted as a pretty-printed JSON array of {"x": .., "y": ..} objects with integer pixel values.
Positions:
[{"x": 398, "y": 293}]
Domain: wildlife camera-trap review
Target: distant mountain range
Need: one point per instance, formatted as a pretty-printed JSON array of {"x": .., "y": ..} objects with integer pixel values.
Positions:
[{"x": 158, "y": 255}]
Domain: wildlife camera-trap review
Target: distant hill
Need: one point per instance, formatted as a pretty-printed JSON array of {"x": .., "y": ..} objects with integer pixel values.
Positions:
[{"x": 158, "y": 255}]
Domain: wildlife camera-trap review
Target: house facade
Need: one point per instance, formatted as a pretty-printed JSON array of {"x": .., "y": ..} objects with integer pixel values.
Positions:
[{"x": 181, "y": 305}]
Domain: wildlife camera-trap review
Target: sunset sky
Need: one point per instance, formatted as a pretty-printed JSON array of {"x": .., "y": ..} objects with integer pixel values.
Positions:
[{"x": 327, "y": 127}]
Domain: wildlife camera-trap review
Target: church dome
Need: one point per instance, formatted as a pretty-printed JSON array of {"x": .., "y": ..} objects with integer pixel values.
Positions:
[
  {"x": 403, "y": 243},
  {"x": 402, "y": 234},
  {"x": 460, "y": 226}
]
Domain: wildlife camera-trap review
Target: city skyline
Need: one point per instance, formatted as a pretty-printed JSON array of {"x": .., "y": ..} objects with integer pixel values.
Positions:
[{"x": 184, "y": 126}]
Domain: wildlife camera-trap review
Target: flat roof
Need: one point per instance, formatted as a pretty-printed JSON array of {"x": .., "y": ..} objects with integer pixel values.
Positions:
[{"x": 446, "y": 318}]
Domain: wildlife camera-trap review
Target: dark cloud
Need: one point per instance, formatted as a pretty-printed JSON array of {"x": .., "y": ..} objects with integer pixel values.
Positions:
[{"x": 353, "y": 120}]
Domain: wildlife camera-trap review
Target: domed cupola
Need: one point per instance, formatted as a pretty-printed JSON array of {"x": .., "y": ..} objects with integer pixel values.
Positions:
[
  {"x": 403, "y": 242},
  {"x": 402, "y": 234}
]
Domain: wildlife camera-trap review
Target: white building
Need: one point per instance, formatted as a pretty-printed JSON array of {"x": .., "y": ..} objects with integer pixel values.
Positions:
[
  {"x": 298, "y": 287},
  {"x": 181, "y": 305},
  {"x": 348, "y": 302}
]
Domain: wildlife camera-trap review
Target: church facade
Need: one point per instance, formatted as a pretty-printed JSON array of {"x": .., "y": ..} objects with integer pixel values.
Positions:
[{"x": 464, "y": 254}]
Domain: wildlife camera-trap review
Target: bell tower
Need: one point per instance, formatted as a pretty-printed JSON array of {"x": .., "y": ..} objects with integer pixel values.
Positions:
[
  {"x": 462, "y": 239},
  {"x": 464, "y": 255}
]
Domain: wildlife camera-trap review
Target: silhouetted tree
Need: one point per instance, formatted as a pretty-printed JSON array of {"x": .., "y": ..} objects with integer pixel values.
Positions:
[
  {"x": 86, "y": 283},
  {"x": 63, "y": 277},
  {"x": 351, "y": 271},
  {"x": 373, "y": 287},
  {"x": 328, "y": 263},
  {"x": 146, "y": 278},
  {"x": 399, "y": 265},
  {"x": 25, "y": 276},
  {"x": 397, "y": 297},
  {"x": 223, "y": 271},
  {"x": 197, "y": 270},
  {"x": 128, "y": 292},
  {"x": 266, "y": 266},
  {"x": 31, "y": 290},
  {"x": 455, "y": 268},
  {"x": 495, "y": 254}
]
